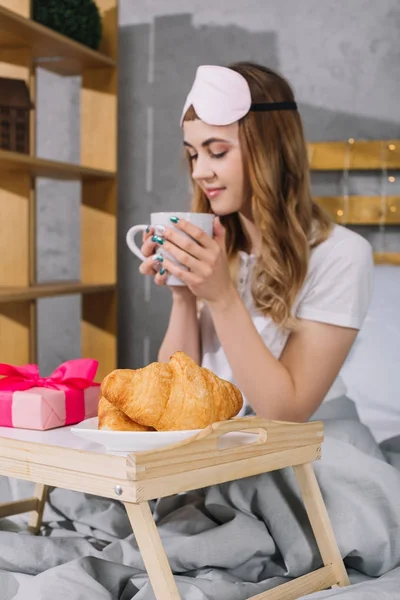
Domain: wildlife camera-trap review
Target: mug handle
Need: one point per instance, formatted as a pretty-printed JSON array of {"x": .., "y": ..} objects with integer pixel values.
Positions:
[{"x": 130, "y": 240}]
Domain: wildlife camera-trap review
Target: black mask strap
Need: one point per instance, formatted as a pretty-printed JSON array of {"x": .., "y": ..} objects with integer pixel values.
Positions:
[{"x": 267, "y": 106}]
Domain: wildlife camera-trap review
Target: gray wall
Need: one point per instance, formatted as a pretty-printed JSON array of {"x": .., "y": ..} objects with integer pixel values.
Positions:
[
  {"x": 343, "y": 60},
  {"x": 57, "y": 218}
]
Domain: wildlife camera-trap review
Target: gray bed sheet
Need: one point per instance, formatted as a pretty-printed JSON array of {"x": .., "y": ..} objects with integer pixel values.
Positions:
[{"x": 225, "y": 542}]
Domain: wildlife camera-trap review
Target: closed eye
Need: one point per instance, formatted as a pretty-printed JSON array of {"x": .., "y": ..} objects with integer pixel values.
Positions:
[{"x": 192, "y": 157}]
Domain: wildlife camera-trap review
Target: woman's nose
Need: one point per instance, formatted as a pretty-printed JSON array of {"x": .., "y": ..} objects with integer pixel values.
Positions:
[{"x": 202, "y": 169}]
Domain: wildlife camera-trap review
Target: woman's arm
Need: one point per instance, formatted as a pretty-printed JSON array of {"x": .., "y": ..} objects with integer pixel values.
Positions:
[
  {"x": 183, "y": 331},
  {"x": 289, "y": 389}
]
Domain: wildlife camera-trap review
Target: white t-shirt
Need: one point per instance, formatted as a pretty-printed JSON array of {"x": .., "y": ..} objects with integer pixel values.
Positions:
[{"x": 337, "y": 290}]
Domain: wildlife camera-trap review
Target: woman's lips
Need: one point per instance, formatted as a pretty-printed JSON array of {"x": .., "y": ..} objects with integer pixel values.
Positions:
[{"x": 214, "y": 192}]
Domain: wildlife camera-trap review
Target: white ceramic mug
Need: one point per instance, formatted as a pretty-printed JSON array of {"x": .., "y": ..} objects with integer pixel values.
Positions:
[{"x": 161, "y": 220}]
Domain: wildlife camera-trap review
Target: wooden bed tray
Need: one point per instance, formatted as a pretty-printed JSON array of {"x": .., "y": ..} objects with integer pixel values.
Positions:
[{"x": 196, "y": 462}]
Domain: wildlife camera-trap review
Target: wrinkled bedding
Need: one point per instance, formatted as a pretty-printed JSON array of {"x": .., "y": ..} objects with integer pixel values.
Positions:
[{"x": 225, "y": 542}]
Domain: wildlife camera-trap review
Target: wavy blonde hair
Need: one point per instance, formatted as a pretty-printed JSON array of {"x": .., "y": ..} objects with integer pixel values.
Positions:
[{"x": 276, "y": 171}]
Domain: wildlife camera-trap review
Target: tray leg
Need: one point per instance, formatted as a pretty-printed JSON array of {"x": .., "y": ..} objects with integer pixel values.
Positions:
[
  {"x": 320, "y": 522},
  {"x": 35, "y": 521},
  {"x": 152, "y": 551}
]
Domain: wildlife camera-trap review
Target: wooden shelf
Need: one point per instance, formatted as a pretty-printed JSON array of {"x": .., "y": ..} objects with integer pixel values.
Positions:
[
  {"x": 49, "y": 49},
  {"x": 24, "y": 46},
  {"x": 359, "y": 155},
  {"x": 41, "y": 167},
  {"x": 362, "y": 210},
  {"x": 15, "y": 294},
  {"x": 387, "y": 258}
]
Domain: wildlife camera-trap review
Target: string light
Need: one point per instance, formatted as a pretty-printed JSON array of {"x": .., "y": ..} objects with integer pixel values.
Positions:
[
  {"x": 343, "y": 212},
  {"x": 384, "y": 202},
  {"x": 345, "y": 182}
]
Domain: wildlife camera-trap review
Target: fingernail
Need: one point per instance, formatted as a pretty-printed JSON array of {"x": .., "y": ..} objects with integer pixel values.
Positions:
[
  {"x": 157, "y": 239},
  {"x": 162, "y": 271},
  {"x": 148, "y": 229},
  {"x": 158, "y": 257},
  {"x": 174, "y": 219}
]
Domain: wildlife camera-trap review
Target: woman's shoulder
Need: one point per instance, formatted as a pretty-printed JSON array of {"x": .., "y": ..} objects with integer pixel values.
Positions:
[
  {"x": 342, "y": 246},
  {"x": 339, "y": 283}
]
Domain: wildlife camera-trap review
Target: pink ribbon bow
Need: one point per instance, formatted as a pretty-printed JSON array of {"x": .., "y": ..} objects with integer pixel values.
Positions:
[
  {"x": 76, "y": 374},
  {"x": 71, "y": 377}
]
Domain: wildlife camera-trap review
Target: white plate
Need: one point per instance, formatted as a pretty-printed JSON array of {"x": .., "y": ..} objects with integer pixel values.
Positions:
[{"x": 129, "y": 441}]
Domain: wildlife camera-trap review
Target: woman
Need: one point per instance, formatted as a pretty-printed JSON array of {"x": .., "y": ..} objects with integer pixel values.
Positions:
[{"x": 284, "y": 291}]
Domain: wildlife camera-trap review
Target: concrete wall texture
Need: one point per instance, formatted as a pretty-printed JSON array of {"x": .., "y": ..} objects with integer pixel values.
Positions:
[{"x": 343, "y": 60}]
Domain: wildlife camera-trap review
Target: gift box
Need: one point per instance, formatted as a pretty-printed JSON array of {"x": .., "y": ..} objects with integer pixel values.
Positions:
[{"x": 69, "y": 395}]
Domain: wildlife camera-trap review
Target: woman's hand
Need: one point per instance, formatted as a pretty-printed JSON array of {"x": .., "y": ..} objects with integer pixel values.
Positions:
[
  {"x": 154, "y": 267},
  {"x": 151, "y": 266},
  {"x": 208, "y": 276}
]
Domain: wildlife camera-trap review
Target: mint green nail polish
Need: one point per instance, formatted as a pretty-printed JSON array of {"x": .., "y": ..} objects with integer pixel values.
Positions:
[
  {"x": 157, "y": 239},
  {"x": 159, "y": 257},
  {"x": 162, "y": 271},
  {"x": 174, "y": 219}
]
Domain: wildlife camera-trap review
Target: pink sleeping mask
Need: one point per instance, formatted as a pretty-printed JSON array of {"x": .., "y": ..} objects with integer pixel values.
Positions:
[{"x": 221, "y": 96}]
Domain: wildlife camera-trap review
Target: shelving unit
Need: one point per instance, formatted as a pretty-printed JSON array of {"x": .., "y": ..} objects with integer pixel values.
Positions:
[
  {"x": 363, "y": 210},
  {"x": 41, "y": 167},
  {"x": 48, "y": 48},
  {"x": 25, "y": 45},
  {"x": 360, "y": 155},
  {"x": 33, "y": 292}
]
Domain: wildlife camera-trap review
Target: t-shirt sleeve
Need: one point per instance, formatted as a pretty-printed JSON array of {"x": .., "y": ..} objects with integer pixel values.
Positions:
[{"x": 340, "y": 287}]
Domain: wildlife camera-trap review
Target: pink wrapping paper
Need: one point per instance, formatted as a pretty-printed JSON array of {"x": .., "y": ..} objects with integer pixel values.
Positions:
[{"x": 69, "y": 395}]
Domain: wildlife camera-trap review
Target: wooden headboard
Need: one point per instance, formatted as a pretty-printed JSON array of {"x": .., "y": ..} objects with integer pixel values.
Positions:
[{"x": 381, "y": 156}]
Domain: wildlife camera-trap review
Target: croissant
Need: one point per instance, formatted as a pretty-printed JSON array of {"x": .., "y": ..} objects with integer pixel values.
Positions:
[
  {"x": 114, "y": 419},
  {"x": 175, "y": 396}
]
